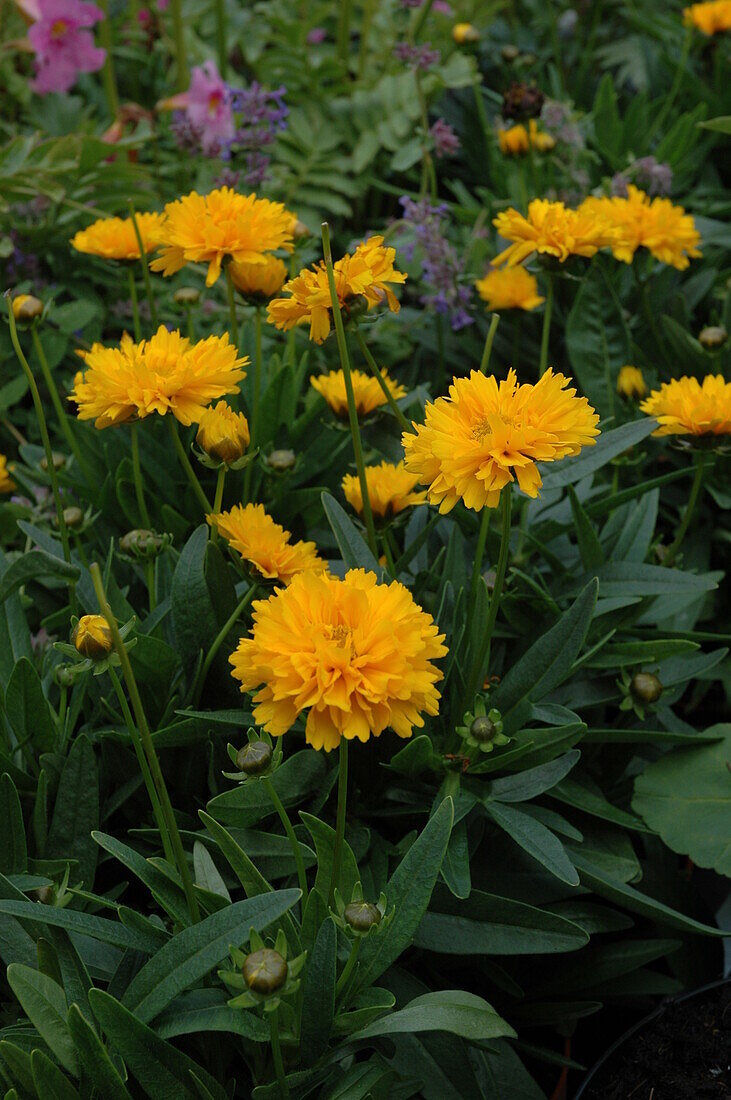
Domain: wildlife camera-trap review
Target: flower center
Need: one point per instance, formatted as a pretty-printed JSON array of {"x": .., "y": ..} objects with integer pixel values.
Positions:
[
  {"x": 214, "y": 102},
  {"x": 481, "y": 429},
  {"x": 340, "y": 634},
  {"x": 59, "y": 28}
]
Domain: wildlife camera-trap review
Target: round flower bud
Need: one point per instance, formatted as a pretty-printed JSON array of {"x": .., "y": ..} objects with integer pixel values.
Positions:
[
  {"x": 45, "y": 894},
  {"x": 300, "y": 231},
  {"x": 645, "y": 687},
  {"x": 510, "y": 53},
  {"x": 265, "y": 971},
  {"x": 362, "y": 915},
  {"x": 186, "y": 296},
  {"x": 713, "y": 336},
  {"x": 26, "y": 308},
  {"x": 254, "y": 758},
  {"x": 93, "y": 638},
  {"x": 59, "y": 461},
  {"x": 72, "y": 517},
  {"x": 222, "y": 433},
  {"x": 483, "y": 729},
  {"x": 463, "y": 33},
  {"x": 281, "y": 460},
  {"x": 140, "y": 541},
  {"x": 64, "y": 676}
]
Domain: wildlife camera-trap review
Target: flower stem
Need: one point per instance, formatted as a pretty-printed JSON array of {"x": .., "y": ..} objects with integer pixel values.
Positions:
[
  {"x": 148, "y": 745},
  {"x": 221, "y": 36},
  {"x": 137, "y": 473},
  {"x": 487, "y": 350},
  {"x": 277, "y": 1055},
  {"x": 43, "y": 427},
  {"x": 343, "y": 32},
  {"x": 420, "y": 18},
  {"x": 695, "y": 492},
  {"x": 255, "y": 402},
  {"x": 352, "y": 412},
  {"x": 542, "y": 365},
  {"x": 150, "y": 581},
  {"x": 218, "y": 499},
  {"x": 343, "y": 981},
  {"x": 296, "y": 850},
  {"x": 135, "y": 304},
  {"x": 182, "y": 74},
  {"x": 145, "y": 267},
  {"x": 230, "y": 290},
  {"x": 340, "y": 819},
  {"x": 477, "y": 567},
  {"x": 218, "y": 642},
  {"x": 63, "y": 421},
  {"x": 483, "y": 655},
  {"x": 376, "y": 371},
  {"x": 185, "y": 463},
  {"x": 108, "y": 76}
]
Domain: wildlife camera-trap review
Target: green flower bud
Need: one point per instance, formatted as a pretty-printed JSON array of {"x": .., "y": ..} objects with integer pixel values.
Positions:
[
  {"x": 361, "y": 915},
  {"x": 265, "y": 971},
  {"x": 141, "y": 543},
  {"x": 64, "y": 676},
  {"x": 483, "y": 729},
  {"x": 509, "y": 53},
  {"x": 186, "y": 296},
  {"x": 59, "y": 461},
  {"x": 72, "y": 517},
  {"x": 254, "y": 758},
  {"x": 281, "y": 460},
  {"x": 645, "y": 687}
]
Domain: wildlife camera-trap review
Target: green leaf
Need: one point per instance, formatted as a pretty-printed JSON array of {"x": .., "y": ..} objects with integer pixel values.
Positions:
[
  {"x": 164, "y": 1072},
  {"x": 324, "y": 838},
  {"x": 685, "y": 796},
  {"x": 533, "y": 781},
  {"x": 27, "y": 710},
  {"x": 590, "y": 549},
  {"x": 195, "y": 951},
  {"x": 195, "y": 623},
  {"x": 35, "y": 563},
  {"x": 166, "y": 892},
  {"x": 318, "y": 995},
  {"x": 535, "y": 839},
  {"x": 13, "y": 850},
  {"x": 207, "y": 874},
  {"x": 720, "y": 125},
  {"x": 585, "y": 795},
  {"x": 87, "y": 924},
  {"x": 49, "y": 1080},
  {"x": 44, "y": 1004},
  {"x": 353, "y": 547},
  {"x": 76, "y": 811},
  {"x": 451, "y": 1010},
  {"x": 247, "y": 805},
  {"x": 208, "y": 1010},
  {"x": 14, "y": 632},
  {"x": 408, "y": 891},
  {"x": 630, "y": 578},
  {"x": 597, "y": 339},
  {"x": 608, "y": 127},
  {"x": 609, "y": 444},
  {"x": 97, "y": 1064},
  {"x": 492, "y": 925}
]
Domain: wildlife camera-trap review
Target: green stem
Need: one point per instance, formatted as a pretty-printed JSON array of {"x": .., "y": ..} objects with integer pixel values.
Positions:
[
  {"x": 376, "y": 371},
  {"x": 483, "y": 655},
  {"x": 487, "y": 133},
  {"x": 137, "y": 473},
  {"x": 352, "y": 413},
  {"x": 277, "y": 1055},
  {"x": 148, "y": 745},
  {"x": 144, "y": 768},
  {"x": 695, "y": 492},
  {"x": 185, "y": 463},
  {"x": 485, "y": 361},
  {"x": 190, "y": 324},
  {"x": 48, "y": 451},
  {"x": 344, "y": 979},
  {"x": 420, "y": 18},
  {"x": 231, "y": 292},
  {"x": 150, "y": 582},
  {"x": 108, "y": 76},
  {"x": 135, "y": 304},
  {"x": 255, "y": 402},
  {"x": 218, "y": 642},
  {"x": 343, "y": 33},
  {"x": 218, "y": 498},
  {"x": 477, "y": 567},
  {"x": 63, "y": 421},
  {"x": 145, "y": 268},
  {"x": 220, "y": 6},
  {"x": 62, "y": 707},
  {"x": 340, "y": 819},
  {"x": 543, "y": 364},
  {"x": 182, "y": 74},
  {"x": 294, "y": 843}
]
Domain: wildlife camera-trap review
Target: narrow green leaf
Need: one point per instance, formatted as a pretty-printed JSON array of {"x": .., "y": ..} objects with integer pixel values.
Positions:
[
  {"x": 13, "y": 850},
  {"x": 44, "y": 1004},
  {"x": 318, "y": 995},
  {"x": 97, "y": 1064},
  {"x": 35, "y": 563},
  {"x": 76, "y": 811},
  {"x": 49, "y": 1080},
  {"x": 590, "y": 549},
  {"x": 536, "y": 840},
  {"x": 353, "y": 547}
]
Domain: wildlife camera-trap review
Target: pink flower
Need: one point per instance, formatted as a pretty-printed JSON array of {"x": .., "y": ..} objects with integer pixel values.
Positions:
[
  {"x": 62, "y": 45},
  {"x": 316, "y": 36},
  {"x": 207, "y": 106}
]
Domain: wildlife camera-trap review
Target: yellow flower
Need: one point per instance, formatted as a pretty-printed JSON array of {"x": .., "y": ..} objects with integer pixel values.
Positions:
[
  {"x": 92, "y": 637},
  {"x": 390, "y": 489},
  {"x": 686, "y": 406},
  {"x": 509, "y": 288},
  {"x": 265, "y": 545},
  {"x": 6, "y": 482},
  {"x": 552, "y": 229},
  {"x": 165, "y": 374},
  {"x": 219, "y": 226},
  {"x": 710, "y": 18},
  {"x": 464, "y": 32},
  {"x": 115, "y": 238},
  {"x": 486, "y": 434},
  {"x": 664, "y": 229},
  {"x": 26, "y": 308},
  {"x": 223, "y": 433},
  {"x": 355, "y": 654},
  {"x": 366, "y": 390},
  {"x": 366, "y": 273},
  {"x": 518, "y": 140},
  {"x": 262, "y": 280},
  {"x": 631, "y": 383}
]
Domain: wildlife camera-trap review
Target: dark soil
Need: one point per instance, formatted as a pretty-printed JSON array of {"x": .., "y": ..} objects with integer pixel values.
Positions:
[{"x": 683, "y": 1054}]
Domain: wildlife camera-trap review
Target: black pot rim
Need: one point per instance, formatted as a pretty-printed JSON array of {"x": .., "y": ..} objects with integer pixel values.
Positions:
[{"x": 668, "y": 1002}]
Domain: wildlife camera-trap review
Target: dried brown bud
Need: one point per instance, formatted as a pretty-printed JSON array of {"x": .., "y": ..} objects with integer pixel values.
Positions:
[{"x": 522, "y": 102}]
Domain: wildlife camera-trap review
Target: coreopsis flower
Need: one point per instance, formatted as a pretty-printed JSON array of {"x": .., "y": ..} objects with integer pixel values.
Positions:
[
  {"x": 356, "y": 655},
  {"x": 664, "y": 229},
  {"x": 63, "y": 44},
  {"x": 92, "y": 637},
  {"x": 259, "y": 281},
  {"x": 509, "y": 288},
  {"x": 265, "y": 545},
  {"x": 219, "y": 226},
  {"x": 486, "y": 434},
  {"x": 222, "y": 433},
  {"x": 686, "y": 406},
  {"x": 165, "y": 374},
  {"x": 710, "y": 18},
  {"x": 463, "y": 33},
  {"x": 631, "y": 383},
  {"x": 207, "y": 107},
  {"x": 518, "y": 139},
  {"x": 552, "y": 229},
  {"x": 390, "y": 489},
  {"x": 6, "y": 482},
  {"x": 366, "y": 390},
  {"x": 368, "y": 273},
  {"x": 115, "y": 238}
]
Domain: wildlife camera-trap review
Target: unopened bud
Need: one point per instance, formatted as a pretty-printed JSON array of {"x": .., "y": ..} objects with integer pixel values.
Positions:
[
  {"x": 72, "y": 516},
  {"x": 92, "y": 637},
  {"x": 186, "y": 296},
  {"x": 26, "y": 308},
  {"x": 64, "y": 676},
  {"x": 463, "y": 33},
  {"x": 254, "y": 758},
  {"x": 483, "y": 729},
  {"x": 281, "y": 460},
  {"x": 59, "y": 461},
  {"x": 300, "y": 231},
  {"x": 645, "y": 687},
  {"x": 141, "y": 541},
  {"x": 713, "y": 336},
  {"x": 509, "y": 53},
  {"x": 265, "y": 971},
  {"x": 362, "y": 915}
]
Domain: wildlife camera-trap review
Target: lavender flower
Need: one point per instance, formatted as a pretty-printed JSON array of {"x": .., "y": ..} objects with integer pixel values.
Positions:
[
  {"x": 559, "y": 122},
  {"x": 441, "y": 267},
  {"x": 417, "y": 57},
  {"x": 264, "y": 115},
  {"x": 647, "y": 173},
  {"x": 446, "y": 142}
]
